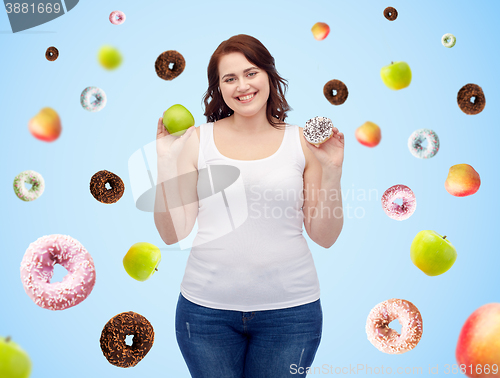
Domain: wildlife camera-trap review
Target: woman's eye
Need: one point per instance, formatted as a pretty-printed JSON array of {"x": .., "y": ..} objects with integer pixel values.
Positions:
[
  {"x": 227, "y": 80},
  {"x": 253, "y": 73}
]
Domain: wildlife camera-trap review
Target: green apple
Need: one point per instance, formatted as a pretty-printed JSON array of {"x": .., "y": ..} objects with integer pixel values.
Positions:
[
  {"x": 177, "y": 119},
  {"x": 142, "y": 260},
  {"x": 396, "y": 75},
  {"x": 14, "y": 361},
  {"x": 432, "y": 253},
  {"x": 109, "y": 57}
]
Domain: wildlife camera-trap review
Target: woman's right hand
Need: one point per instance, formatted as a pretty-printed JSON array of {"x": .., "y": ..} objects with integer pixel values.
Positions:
[{"x": 168, "y": 145}]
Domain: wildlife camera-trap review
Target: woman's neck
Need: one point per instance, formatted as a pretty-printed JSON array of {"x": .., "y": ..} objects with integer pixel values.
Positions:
[{"x": 256, "y": 124}]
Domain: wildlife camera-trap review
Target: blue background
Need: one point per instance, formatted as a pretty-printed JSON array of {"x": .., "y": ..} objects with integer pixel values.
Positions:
[{"x": 369, "y": 263}]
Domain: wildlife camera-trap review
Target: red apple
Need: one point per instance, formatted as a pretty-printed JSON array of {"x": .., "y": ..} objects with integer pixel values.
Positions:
[
  {"x": 462, "y": 180},
  {"x": 368, "y": 134},
  {"x": 46, "y": 125},
  {"x": 320, "y": 30},
  {"x": 478, "y": 346}
]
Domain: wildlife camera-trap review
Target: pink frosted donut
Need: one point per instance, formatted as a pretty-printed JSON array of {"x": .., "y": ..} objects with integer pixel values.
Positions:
[
  {"x": 37, "y": 268},
  {"x": 394, "y": 210},
  {"x": 117, "y": 17},
  {"x": 388, "y": 340}
]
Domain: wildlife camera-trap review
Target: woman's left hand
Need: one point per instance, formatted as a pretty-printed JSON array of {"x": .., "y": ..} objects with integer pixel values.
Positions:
[{"x": 330, "y": 153}]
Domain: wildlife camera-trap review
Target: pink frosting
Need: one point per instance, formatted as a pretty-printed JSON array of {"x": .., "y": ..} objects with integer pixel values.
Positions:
[
  {"x": 394, "y": 210},
  {"x": 117, "y": 17},
  {"x": 388, "y": 340},
  {"x": 37, "y": 268}
]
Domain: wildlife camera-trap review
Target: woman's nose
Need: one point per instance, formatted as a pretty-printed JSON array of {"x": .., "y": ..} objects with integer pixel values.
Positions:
[{"x": 243, "y": 85}]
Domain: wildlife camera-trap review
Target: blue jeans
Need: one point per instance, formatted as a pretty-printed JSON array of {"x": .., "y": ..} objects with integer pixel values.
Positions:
[{"x": 261, "y": 344}]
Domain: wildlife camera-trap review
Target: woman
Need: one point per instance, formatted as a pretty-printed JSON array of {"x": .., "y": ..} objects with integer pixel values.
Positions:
[{"x": 249, "y": 304}]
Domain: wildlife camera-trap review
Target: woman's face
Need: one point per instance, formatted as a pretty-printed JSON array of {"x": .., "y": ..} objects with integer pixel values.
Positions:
[{"x": 244, "y": 87}]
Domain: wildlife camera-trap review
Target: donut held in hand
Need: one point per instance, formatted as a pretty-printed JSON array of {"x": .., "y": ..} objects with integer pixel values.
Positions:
[{"x": 318, "y": 130}]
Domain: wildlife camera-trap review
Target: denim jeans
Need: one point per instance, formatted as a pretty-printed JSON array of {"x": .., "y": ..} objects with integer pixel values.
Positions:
[{"x": 261, "y": 344}]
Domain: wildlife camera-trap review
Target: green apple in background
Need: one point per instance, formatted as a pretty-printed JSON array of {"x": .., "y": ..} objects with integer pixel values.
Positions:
[
  {"x": 142, "y": 260},
  {"x": 396, "y": 75},
  {"x": 177, "y": 119},
  {"x": 432, "y": 253},
  {"x": 109, "y": 57},
  {"x": 14, "y": 361}
]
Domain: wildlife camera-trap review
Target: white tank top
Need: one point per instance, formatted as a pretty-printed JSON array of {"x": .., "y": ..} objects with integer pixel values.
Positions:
[{"x": 249, "y": 253}]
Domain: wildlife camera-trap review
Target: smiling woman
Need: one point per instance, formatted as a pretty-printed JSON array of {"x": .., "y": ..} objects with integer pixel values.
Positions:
[{"x": 254, "y": 273}]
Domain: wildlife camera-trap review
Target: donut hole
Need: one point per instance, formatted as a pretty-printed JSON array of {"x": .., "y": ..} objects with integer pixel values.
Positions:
[
  {"x": 334, "y": 92},
  {"x": 28, "y": 186},
  {"x": 390, "y": 14},
  {"x": 424, "y": 144},
  {"x": 59, "y": 273},
  {"x": 447, "y": 39},
  {"x": 395, "y": 325},
  {"x": 129, "y": 340},
  {"x": 108, "y": 187},
  {"x": 473, "y": 99},
  {"x": 398, "y": 201},
  {"x": 171, "y": 66}
]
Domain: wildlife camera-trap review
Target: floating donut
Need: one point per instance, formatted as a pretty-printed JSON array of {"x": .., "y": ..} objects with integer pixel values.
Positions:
[
  {"x": 341, "y": 92},
  {"x": 113, "y": 335},
  {"x": 100, "y": 99},
  {"x": 394, "y": 210},
  {"x": 465, "y": 95},
  {"x": 117, "y": 17},
  {"x": 390, "y": 13},
  {"x": 100, "y": 192},
  {"x": 417, "y": 138},
  {"x": 162, "y": 65},
  {"x": 30, "y": 177},
  {"x": 37, "y": 268},
  {"x": 52, "y": 53},
  {"x": 388, "y": 340},
  {"x": 448, "y": 40},
  {"x": 318, "y": 130}
]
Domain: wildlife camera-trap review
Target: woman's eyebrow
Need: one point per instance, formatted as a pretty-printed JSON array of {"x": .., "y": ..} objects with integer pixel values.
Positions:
[{"x": 245, "y": 71}]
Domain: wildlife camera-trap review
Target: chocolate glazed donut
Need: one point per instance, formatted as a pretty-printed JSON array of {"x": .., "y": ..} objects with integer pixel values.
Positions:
[
  {"x": 52, "y": 53},
  {"x": 341, "y": 92},
  {"x": 466, "y": 93},
  {"x": 390, "y": 13},
  {"x": 162, "y": 65},
  {"x": 101, "y": 193},
  {"x": 113, "y": 345}
]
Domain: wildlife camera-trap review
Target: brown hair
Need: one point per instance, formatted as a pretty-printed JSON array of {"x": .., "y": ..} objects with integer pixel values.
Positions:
[{"x": 256, "y": 53}]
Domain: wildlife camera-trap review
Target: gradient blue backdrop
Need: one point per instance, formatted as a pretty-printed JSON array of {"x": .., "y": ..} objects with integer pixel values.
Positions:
[{"x": 369, "y": 263}]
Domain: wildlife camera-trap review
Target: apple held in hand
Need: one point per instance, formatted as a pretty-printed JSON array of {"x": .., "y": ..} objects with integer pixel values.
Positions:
[
  {"x": 462, "y": 180},
  {"x": 320, "y": 30},
  {"x": 14, "y": 361},
  {"x": 478, "y": 346},
  {"x": 396, "y": 75},
  {"x": 46, "y": 125},
  {"x": 142, "y": 260},
  {"x": 177, "y": 119},
  {"x": 109, "y": 57},
  {"x": 368, "y": 134},
  {"x": 432, "y": 253}
]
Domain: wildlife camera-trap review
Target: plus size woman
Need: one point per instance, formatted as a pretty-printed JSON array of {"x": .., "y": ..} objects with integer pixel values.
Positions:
[{"x": 249, "y": 304}]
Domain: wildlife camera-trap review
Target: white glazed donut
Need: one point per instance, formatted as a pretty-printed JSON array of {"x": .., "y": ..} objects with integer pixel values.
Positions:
[
  {"x": 417, "y": 138},
  {"x": 30, "y": 177},
  {"x": 448, "y": 40},
  {"x": 96, "y": 105},
  {"x": 37, "y": 268},
  {"x": 318, "y": 130},
  {"x": 117, "y": 17}
]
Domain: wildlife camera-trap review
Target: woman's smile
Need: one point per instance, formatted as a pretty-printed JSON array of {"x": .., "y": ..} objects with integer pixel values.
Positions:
[{"x": 246, "y": 98}]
